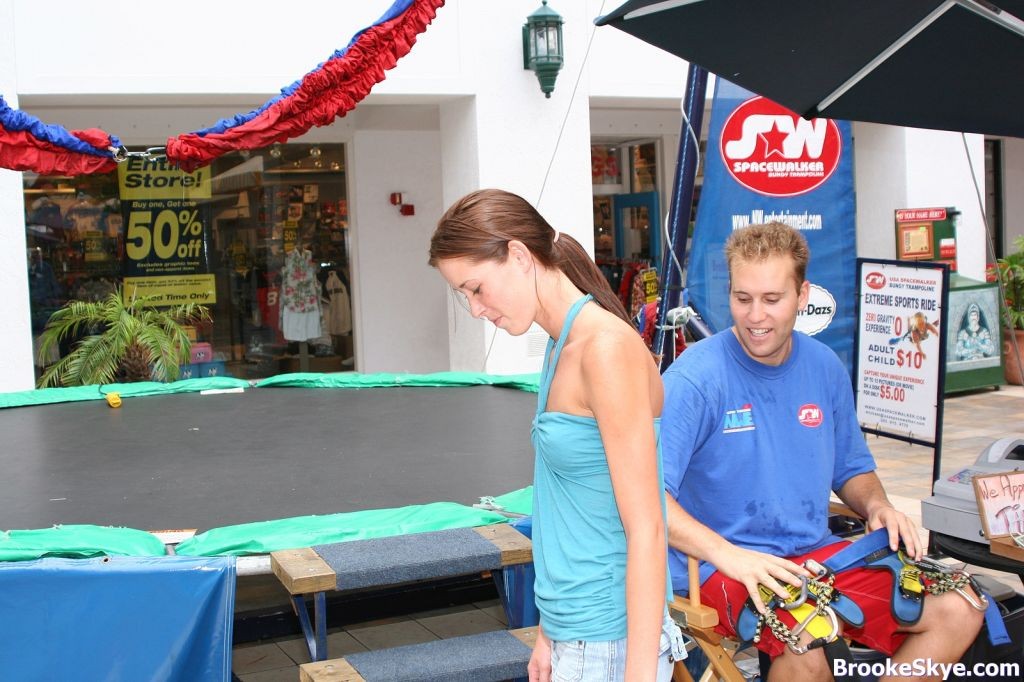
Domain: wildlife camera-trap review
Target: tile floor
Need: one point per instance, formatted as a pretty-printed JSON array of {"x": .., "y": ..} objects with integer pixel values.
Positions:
[{"x": 971, "y": 422}]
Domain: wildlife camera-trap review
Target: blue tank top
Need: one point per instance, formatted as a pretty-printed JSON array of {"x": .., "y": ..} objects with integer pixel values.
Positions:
[{"x": 578, "y": 540}]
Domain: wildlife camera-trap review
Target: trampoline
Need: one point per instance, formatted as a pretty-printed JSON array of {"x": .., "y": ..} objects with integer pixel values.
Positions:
[{"x": 187, "y": 460}]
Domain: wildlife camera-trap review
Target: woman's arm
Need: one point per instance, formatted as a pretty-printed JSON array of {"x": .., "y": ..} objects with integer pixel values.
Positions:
[
  {"x": 539, "y": 668},
  {"x": 617, "y": 373}
]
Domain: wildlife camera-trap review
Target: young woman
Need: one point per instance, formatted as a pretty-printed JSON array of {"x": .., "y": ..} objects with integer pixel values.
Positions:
[{"x": 598, "y": 527}]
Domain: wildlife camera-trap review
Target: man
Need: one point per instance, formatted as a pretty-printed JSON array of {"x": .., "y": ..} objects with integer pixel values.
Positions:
[{"x": 759, "y": 425}]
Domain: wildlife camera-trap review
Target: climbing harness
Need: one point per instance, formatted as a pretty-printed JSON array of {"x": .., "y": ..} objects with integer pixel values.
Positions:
[{"x": 911, "y": 579}]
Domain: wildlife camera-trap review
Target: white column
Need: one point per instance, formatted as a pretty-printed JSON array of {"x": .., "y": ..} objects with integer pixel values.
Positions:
[
  {"x": 1013, "y": 201},
  {"x": 939, "y": 173},
  {"x": 16, "y": 373},
  {"x": 914, "y": 168}
]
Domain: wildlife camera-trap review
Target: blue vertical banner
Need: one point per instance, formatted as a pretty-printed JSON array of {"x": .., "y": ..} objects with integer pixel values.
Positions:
[{"x": 766, "y": 164}]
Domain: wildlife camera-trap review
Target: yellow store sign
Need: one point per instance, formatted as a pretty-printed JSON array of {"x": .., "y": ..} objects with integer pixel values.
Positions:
[
  {"x": 172, "y": 290},
  {"x": 157, "y": 179}
]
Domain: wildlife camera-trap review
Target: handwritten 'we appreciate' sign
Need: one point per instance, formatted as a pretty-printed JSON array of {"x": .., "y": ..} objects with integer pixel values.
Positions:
[{"x": 1001, "y": 503}]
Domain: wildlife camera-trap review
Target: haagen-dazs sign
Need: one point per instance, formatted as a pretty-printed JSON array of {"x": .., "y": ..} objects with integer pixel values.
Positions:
[
  {"x": 817, "y": 315},
  {"x": 772, "y": 151}
]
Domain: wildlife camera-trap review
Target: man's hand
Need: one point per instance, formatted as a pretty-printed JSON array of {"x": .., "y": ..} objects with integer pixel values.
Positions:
[
  {"x": 752, "y": 568},
  {"x": 900, "y": 528},
  {"x": 539, "y": 667}
]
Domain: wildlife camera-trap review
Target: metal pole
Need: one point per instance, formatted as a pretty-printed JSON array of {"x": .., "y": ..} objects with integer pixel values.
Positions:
[{"x": 682, "y": 203}]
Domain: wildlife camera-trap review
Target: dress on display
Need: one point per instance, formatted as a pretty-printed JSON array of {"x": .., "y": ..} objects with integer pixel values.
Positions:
[
  {"x": 300, "y": 297},
  {"x": 339, "y": 312}
]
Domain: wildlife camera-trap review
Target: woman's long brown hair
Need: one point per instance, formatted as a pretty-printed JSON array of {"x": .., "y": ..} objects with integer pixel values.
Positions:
[{"x": 480, "y": 225}]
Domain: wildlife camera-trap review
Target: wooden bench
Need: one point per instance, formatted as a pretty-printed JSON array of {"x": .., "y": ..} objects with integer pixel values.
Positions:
[
  {"x": 485, "y": 657},
  {"x": 498, "y": 549}
]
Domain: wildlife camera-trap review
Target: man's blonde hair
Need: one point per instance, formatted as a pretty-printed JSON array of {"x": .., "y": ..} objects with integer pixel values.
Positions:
[{"x": 758, "y": 243}]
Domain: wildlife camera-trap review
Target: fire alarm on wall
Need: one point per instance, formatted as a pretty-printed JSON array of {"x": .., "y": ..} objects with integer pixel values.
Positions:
[{"x": 403, "y": 208}]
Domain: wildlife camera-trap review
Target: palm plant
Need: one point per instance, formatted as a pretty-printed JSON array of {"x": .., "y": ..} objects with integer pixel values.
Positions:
[
  {"x": 129, "y": 340},
  {"x": 1010, "y": 273}
]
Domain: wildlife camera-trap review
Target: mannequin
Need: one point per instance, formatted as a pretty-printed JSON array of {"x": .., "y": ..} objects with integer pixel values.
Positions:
[{"x": 300, "y": 296}]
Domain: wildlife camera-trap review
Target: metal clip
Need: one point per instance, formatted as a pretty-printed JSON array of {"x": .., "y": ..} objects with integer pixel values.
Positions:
[
  {"x": 817, "y": 569},
  {"x": 981, "y": 605},
  {"x": 821, "y": 641},
  {"x": 122, "y": 154},
  {"x": 797, "y": 600}
]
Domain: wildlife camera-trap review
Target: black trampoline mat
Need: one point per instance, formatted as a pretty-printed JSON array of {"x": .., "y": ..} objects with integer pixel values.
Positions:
[{"x": 194, "y": 461}]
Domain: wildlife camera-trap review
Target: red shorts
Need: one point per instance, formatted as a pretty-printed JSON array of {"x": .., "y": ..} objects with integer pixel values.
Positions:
[{"x": 870, "y": 588}]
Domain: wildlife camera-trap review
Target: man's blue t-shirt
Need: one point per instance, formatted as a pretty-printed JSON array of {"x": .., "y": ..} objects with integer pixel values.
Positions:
[{"x": 752, "y": 451}]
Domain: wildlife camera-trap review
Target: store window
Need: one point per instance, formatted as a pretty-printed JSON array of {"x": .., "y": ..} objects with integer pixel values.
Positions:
[
  {"x": 645, "y": 167},
  {"x": 626, "y": 215},
  {"x": 228, "y": 236}
]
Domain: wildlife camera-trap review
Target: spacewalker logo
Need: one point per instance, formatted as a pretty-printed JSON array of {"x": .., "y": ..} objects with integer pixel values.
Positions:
[
  {"x": 739, "y": 420},
  {"x": 772, "y": 151},
  {"x": 809, "y": 415},
  {"x": 875, "y": 280}
]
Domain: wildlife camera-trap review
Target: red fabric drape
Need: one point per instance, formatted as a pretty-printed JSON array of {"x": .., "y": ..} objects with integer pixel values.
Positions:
[{"x": 21, "y": 151}]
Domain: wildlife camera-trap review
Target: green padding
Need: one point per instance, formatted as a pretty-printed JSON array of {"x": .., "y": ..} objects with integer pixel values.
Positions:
[
  {"x": 305, "y": 531},
  {"x": 46, "y": 396},
  {"x": 78, "y": 542},
  {"x": 518, "y": 501},
  {"x": 524, "y": 382}
]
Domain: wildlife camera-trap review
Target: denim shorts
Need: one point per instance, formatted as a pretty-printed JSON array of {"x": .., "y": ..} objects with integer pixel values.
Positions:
[{"x": 582, "y": 661}]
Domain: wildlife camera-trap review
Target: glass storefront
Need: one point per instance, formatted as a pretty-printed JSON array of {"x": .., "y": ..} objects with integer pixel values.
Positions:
[
  {"x": 223, "y": 236},
  {"x": 627, "y": 212}
]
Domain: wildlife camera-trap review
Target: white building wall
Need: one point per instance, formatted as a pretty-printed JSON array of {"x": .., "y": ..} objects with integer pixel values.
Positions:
[
  {"x": 1013, "y": 195},
  {"x": 460, "y": 173},
  {"x": 400, "y": 316},
  {"x": 939, "y": 173},
  {"x": 880, "y": 178},
  {"x": 536, "y": 147},
  {"x": 912, "y": 168}
]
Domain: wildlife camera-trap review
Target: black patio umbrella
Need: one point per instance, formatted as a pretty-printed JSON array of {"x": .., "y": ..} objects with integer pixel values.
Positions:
[{"x": 945, "y": 64}]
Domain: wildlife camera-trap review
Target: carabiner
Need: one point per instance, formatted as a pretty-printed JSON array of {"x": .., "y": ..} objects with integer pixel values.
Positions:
[
  {"x": 797, "y": 601},
  {"x": 821, "y": 641}
]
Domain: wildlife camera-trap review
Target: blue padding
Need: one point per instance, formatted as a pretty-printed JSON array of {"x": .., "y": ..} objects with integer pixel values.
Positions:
[
  {"x": 121, "y": 618},
  {"x": 476, "y": 658},
  {"x": 404, "y": 558}
]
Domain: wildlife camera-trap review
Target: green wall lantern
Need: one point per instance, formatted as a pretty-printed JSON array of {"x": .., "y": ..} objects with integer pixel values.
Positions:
[{"x": 542, "y": 46}]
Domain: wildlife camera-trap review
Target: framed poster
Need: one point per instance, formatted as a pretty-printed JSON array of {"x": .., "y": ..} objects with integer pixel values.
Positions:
[
  {"x": 914, "y": 241},
  {"x": 900, "y": 348},
  {"x": 972, "y": 335}
]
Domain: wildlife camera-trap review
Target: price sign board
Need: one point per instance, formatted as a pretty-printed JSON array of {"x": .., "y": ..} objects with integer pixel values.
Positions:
[
  {"x": 165, "y": 234},
  {"x": 649, "y": 277},
  {"x": 901, "y": 347}
]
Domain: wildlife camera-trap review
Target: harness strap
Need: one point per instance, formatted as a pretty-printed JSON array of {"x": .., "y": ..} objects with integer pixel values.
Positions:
[
  {"x": 905, "y": 605},
  {"x": 838, "y": 649},
  {"x": 873, "y": 551}
]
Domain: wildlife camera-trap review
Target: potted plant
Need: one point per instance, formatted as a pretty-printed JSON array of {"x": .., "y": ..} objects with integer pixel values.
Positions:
[
  {"x": 128, "y": 340},
  {"x": 1009, "y": 272}
]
